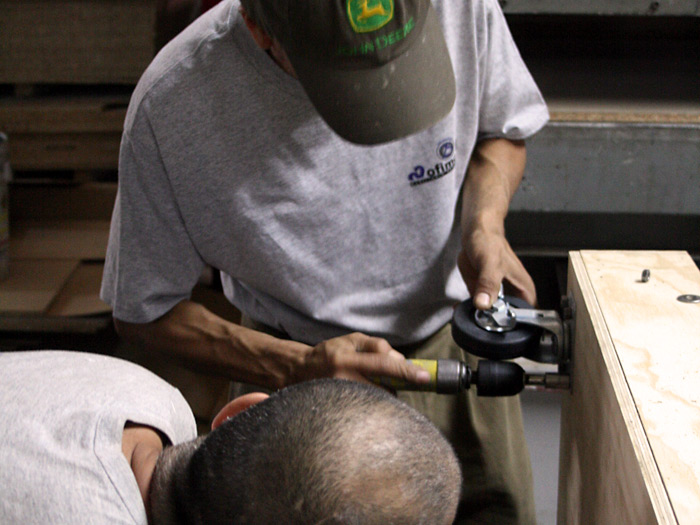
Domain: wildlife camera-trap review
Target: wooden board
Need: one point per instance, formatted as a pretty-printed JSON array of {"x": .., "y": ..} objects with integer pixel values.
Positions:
[
  {"x": 628, "y": 112},
  {"x": 76, "y": 41},
  {"x": 63, "y": 239},
  {"x": 630, "y": 444},
  {"x": 33, "y": 284},
  {"x": 80, "y": 294},
  {"x": 67, "y": 151},
  {"x": 76, "y": 113},
  {"x": 63, "y": 132}
]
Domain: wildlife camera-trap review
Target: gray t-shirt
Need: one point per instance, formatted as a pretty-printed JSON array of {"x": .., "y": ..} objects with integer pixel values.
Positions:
[
  {"x": 225, "y": 162},
  {"x": 62, "y": 415}
]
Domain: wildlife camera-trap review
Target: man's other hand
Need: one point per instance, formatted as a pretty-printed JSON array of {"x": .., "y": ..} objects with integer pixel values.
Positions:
[{"x": 486, "y": 261}]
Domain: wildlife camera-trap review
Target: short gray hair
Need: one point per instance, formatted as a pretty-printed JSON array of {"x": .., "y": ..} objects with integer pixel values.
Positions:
[{"x": 326, "y": 451}]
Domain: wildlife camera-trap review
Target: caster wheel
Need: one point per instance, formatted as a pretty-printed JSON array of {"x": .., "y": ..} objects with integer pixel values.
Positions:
[{"x": 480, "y": 342}]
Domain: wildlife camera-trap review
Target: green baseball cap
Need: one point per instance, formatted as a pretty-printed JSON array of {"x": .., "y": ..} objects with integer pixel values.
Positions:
[{"x": 375, "y": 70}]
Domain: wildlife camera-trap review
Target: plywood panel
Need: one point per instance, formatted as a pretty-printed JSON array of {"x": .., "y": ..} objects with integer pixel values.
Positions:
[
  {"x": 646, "y": 112},
  {"x": 630, "y": 450},
  {"x": 33, "y": 284},
  {"x": 69, "y": 151},
  {"x": 59, "y": 239},
  {"x": 64, "y": 132},
  {"x": 76, "y": 41},
  {"x": 81, "y": 293},
  {"x": 74, "y": 113}
]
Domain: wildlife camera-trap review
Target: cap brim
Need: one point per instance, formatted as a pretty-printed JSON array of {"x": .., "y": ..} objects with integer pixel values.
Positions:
[{"x": 370, "y": 106}]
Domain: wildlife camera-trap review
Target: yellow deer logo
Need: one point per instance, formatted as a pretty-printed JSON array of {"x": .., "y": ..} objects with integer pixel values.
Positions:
[
  {"x": 365, "y": 17},
  {"x": 367, "y": 12}
]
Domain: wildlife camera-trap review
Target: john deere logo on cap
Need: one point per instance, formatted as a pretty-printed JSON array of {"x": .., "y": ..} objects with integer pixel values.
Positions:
[{"x": 369, "y": 15}]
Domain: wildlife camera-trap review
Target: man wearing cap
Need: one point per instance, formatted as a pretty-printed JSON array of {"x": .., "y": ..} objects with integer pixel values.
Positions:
[{"x": 347, "y": 166}]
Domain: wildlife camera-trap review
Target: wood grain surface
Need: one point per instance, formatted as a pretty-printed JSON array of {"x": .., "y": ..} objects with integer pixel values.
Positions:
[{"x": 630, "y": 450}]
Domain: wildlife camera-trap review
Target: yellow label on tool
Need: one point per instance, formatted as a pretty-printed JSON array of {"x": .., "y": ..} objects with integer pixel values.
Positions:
[
  {"x": 431, "y": 365},
  {"x": 399, "y": 384}
]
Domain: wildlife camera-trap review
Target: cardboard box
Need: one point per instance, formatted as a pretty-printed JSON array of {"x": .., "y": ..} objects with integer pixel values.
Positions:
[
  {"x": 80, "y": 132},
  {"x": 76, "y": 41},
  {"x": 58, "y": 241}
]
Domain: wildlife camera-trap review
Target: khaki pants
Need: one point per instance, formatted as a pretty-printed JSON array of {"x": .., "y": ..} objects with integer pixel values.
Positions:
[{"x": 486, "y": 433}]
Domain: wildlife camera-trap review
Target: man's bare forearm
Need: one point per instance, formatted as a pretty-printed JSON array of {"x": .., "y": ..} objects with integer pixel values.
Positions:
[
  {"x": 494, "y": 174},
  {"x": 204, "y": 341}
]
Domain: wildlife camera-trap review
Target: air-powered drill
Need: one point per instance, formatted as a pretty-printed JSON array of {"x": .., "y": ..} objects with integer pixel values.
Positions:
[{"x": 450, "y": 376}]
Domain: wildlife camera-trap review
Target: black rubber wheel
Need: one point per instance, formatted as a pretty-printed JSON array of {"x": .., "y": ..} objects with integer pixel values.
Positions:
[{"x": 493, "y": 345}]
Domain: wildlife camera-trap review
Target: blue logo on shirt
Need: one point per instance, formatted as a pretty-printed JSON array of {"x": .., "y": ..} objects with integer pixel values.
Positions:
[
  {"x": 445, "y": 152},
  {"x": 445, "y": 149}
]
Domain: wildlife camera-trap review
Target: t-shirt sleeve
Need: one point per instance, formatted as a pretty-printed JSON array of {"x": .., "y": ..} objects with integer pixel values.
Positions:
[
  {"x": 151, "y": 262},
  {"x": 511, "y": 105}
]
